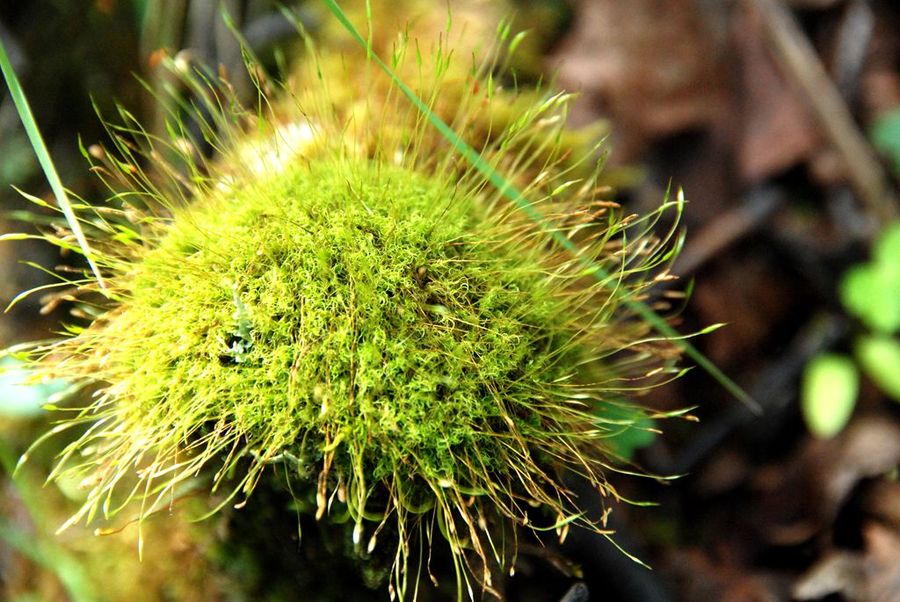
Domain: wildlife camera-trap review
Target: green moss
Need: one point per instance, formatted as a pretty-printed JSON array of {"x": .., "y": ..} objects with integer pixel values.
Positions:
[
  {"x": 369, "y": 310},
  {"x": 344, "y": 298}
]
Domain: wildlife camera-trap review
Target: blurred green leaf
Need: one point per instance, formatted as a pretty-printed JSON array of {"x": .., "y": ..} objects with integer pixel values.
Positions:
[
  {"x": 885, "y": 135},
  {"x": 18, "y": 162},
  {"x": 828, "y": 395},
  {"x": 636, "y": 428},
  {"x": 887, "y": 249},
  {"x": 20, "y": 398},
  {"x": 140, "y": 8},
  {"x": 872, "y": 295},
  {"x": 18, "y": 533},
  {"x": 52, "y": 557},
  {"x": 880, "y": 359},
  {"x": 871, "y": 291}
]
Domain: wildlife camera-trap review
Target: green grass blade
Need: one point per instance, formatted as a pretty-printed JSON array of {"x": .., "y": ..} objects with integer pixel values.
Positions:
[
  {"x": 47, "y": 553},
  {"x": 40, "y": 150},
  {"x": 516, "y": 197}
]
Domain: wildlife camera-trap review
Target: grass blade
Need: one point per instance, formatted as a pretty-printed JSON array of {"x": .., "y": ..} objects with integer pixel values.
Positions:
[
  {"x": 43, "y": 155},
  {"x": 516, "y": 197}
]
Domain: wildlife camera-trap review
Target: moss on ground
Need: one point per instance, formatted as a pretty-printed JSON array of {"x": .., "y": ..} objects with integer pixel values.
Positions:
[
  {"x": 342, "y": 299},
  {"x": 363, "y": 309}
]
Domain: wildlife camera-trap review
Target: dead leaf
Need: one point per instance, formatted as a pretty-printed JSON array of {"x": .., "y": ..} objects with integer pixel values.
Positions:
[
  {"x": 698, "y": 577},
  {"x": 882, "y": 562},
  {"x": 777, "y": 130},
  {"x": 840, "y": 572},
  {"x": 651, "y": 65},
  {"x": 883, "y": 502}
]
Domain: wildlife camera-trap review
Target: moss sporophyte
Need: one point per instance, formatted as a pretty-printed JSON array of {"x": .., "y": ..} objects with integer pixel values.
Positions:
[{"x": 341, "y": 299}]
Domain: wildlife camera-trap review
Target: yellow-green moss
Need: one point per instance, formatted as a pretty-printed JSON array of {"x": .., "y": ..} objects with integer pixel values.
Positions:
[
  {"x": 357, "y": 307},
  {"x": 345, "y": 298}
]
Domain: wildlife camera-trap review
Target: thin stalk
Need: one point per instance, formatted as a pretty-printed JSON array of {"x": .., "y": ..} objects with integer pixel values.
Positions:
[
  {"x": 43, "y": 155},
  {"x": 508, "y": 190}
]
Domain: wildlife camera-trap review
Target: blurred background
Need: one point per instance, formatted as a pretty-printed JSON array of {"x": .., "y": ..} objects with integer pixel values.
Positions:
[{"x": 781, "y": 121}]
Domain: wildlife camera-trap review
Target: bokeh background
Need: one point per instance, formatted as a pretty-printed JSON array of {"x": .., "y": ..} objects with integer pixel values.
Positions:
[{"x": 781, "y": 121}]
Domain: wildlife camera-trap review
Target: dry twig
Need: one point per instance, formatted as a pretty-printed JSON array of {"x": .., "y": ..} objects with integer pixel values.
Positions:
[{"x": 798, "y": 59}]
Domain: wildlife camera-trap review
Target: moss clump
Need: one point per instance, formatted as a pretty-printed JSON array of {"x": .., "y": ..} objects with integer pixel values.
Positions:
[
  {"x": 343, "y": 296},
  {"x": 369, "y": 312}
]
